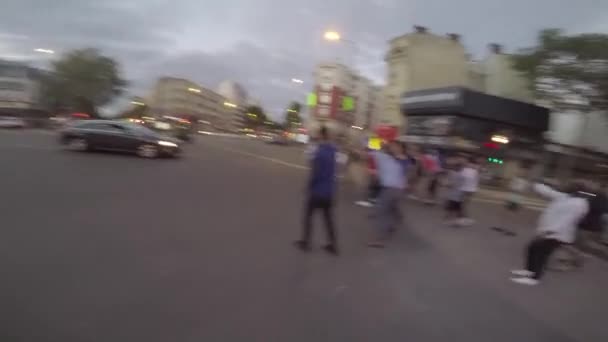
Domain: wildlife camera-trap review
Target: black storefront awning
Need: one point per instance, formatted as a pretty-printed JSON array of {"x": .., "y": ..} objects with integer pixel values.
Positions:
[{"x": 468, "y": 103}]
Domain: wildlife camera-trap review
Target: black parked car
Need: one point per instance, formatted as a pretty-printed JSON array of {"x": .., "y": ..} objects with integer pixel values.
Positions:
[{"x": 118, "y": 136}]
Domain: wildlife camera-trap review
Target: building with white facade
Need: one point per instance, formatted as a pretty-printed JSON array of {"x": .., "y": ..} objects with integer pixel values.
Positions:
[
  {"x": 19, "y": 88},
  {"x": 423, "y": 60},
  {"x": 333, "y": 82},
  {"x": 180, "y": 97},
  {"x": 235, "y": 105}
]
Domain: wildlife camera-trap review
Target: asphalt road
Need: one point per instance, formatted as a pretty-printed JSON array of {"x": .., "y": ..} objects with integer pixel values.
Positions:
[{"x": 103, "y": 247}]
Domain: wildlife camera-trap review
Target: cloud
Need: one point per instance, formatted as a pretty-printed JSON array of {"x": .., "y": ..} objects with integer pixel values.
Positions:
[{"x": 264, "y": 43}]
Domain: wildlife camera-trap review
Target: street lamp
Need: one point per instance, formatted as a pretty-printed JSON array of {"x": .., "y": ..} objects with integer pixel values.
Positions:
[
  {"x": 332, "y": 36},
  {"x": 194, "y": 90},
  {"x": 231, "y": 105},
  {"x": 47, "y": 51},
  {"x": 137, "y": 103}
]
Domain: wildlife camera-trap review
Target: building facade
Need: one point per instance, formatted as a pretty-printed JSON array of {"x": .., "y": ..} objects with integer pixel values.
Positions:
[
  {"x": 19, "y": 88},
  {"x": 235, "y": 103},
  {"x": 424, "y": 60},
  {"x": 180, "y": 97},
  {"x": 351, "y": 118}
]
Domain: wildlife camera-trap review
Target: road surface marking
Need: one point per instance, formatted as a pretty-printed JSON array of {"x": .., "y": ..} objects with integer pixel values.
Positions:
[{"x": 272, "y": 160}]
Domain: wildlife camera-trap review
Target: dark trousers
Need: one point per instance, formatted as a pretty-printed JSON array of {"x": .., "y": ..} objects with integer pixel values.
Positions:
[
  {"x": 538, "y": 253},
  {"x": 325, "y": 205},
  {"x": 373, "y": 189},
  {"x": 466, "y": 200}
]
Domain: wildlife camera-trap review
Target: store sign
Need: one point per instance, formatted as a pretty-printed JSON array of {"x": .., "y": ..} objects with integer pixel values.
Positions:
[
  {"x": 425, "y": 125},
  {"x": 439, "y": 97}
]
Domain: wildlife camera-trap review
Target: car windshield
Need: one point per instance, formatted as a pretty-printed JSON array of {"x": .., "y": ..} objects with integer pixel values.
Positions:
[{"x": 139, "y": 129}]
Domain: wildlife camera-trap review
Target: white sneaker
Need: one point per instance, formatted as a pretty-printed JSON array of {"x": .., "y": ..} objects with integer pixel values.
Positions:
[
  {"x": 366, "y": 204},
  {"x": 465, "y": 222},
  {"x": 525, "y": 281},
  {"x": 522, "y": 273}
]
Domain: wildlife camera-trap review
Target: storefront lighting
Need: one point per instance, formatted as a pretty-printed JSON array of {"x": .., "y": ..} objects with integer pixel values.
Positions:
[{"x": 501, "y": 139}]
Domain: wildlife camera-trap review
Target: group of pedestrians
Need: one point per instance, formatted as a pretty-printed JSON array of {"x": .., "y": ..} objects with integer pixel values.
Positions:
[{"x": 389, "y": 168}]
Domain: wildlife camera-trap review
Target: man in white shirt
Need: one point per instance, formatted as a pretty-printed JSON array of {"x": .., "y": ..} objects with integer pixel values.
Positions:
[
  {"x": 470, "y": 185},
  {"x": 557, "y": 225}
]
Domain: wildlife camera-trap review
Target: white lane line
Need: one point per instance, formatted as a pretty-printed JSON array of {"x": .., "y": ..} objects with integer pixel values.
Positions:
[
  {"x": 272, "y": 160},
  {"x": 28, "y": 147}
]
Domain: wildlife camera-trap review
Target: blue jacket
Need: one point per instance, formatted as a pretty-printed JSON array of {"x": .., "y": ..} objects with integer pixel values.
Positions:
[{"x": 323, "y": 172}]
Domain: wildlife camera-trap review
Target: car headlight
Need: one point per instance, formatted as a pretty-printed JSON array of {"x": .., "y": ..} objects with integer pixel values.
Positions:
[{"x": 167, "y": 143}]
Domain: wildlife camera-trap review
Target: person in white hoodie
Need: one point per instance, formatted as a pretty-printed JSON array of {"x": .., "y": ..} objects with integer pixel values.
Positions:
[{"x": 557, "y": 225}]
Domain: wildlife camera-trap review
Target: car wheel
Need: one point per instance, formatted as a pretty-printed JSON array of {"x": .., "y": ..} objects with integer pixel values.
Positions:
[
  {"x": 78, "y": 144},
  {"x": 147, "y": 151}
]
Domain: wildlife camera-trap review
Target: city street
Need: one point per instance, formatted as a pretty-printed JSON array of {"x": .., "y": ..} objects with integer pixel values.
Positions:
[{"x": 105, "y": 247}]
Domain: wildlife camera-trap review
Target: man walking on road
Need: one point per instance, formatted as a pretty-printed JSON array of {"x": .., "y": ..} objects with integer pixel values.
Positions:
[
  {"x": 321, "y": 189},
  {"x": 391, "y": 174}
]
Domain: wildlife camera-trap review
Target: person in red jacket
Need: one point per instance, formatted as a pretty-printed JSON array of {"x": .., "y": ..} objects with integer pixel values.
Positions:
[{"x": 373, "y": 188}]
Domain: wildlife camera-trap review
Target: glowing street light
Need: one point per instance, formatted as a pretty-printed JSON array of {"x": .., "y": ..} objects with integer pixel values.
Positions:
[
  {"x": 332, "y": 36},
  {"x": 194, "y": 90},
  {"x": 501, "y": 139},
  {"x": 137, "y": 103},
  {"x": 231, "y": 105},
  {"x": 47, "y": 51}
]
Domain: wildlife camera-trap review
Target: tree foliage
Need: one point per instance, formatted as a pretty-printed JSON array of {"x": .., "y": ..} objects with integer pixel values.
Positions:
[
  {"x": 255, "y": 116},
  {"x": 83, "y": 80},
  {"x": 567, "y": 71},
  {"x": 292, "y": 116}
]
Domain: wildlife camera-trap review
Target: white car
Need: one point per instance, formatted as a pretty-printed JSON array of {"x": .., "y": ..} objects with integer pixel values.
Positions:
[{"x": 11, "y": 122}]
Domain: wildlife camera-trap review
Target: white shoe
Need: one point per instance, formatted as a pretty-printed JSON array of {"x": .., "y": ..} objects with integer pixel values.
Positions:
[
  {"x": 366, "y": 204},
  {"x": 525, "y": 281},
  {"x": 522, "y": 273},
  {"x": 465, "y": 222}
]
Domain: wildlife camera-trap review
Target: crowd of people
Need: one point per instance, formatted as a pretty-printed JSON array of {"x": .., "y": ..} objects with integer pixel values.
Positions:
[{"x": 398, "y": 170}]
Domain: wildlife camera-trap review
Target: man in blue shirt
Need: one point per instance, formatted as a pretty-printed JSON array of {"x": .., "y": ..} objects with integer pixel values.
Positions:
[{"x": 321, "y": 189}]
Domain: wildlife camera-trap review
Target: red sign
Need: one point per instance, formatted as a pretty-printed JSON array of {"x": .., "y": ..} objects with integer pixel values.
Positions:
[
  {"x": 386, "y": 132},
  {"x": 329, "y": 102}
]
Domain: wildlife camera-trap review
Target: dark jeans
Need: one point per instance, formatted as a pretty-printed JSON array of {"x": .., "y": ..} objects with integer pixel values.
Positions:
[
  {"x": 373, "y": 189},
  {"x": 466, "y": 200},
  {"x": 538, "y": 253},
  {"x": 325, "y": 205},
  {"x": 388, "y": 210}
]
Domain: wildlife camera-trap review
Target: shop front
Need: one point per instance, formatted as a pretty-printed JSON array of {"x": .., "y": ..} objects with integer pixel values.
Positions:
[{"x": 503, "y": 131}]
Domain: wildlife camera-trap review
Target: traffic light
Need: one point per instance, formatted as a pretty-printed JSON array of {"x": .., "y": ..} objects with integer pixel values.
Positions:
[{"x": 495, "y": 160}]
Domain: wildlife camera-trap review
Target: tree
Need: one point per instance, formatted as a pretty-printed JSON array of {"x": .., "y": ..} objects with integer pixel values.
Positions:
[
  {"x": 567, "y": 72},
  {"x": 134, "y": 112},
  {"x": 83, "y": 80},
  {"x": 292, "y": 117},
  {"x": 255, "y": 116}
]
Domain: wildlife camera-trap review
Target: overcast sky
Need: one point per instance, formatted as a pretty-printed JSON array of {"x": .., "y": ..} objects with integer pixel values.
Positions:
[{"x": 262, "y": 44}]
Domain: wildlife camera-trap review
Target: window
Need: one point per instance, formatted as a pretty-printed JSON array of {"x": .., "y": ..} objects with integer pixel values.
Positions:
[
  {"x": 14, "y": 86},
  {"x": 12, "y": 71}
]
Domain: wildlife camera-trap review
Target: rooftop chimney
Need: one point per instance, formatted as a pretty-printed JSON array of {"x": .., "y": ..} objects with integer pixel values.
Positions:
[
  {"x": 454, "y": 36},
  {"x": 496, "y": 48},
  {"x": 420, "y": 29}
]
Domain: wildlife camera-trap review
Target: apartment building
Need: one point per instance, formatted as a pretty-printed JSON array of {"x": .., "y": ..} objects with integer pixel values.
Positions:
[
  {"x": 423, "y": 60},
  {"x": 177, "y": 96},
  {"x": 19, "y": 87},
  {"x": 333, "y": 83}
]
